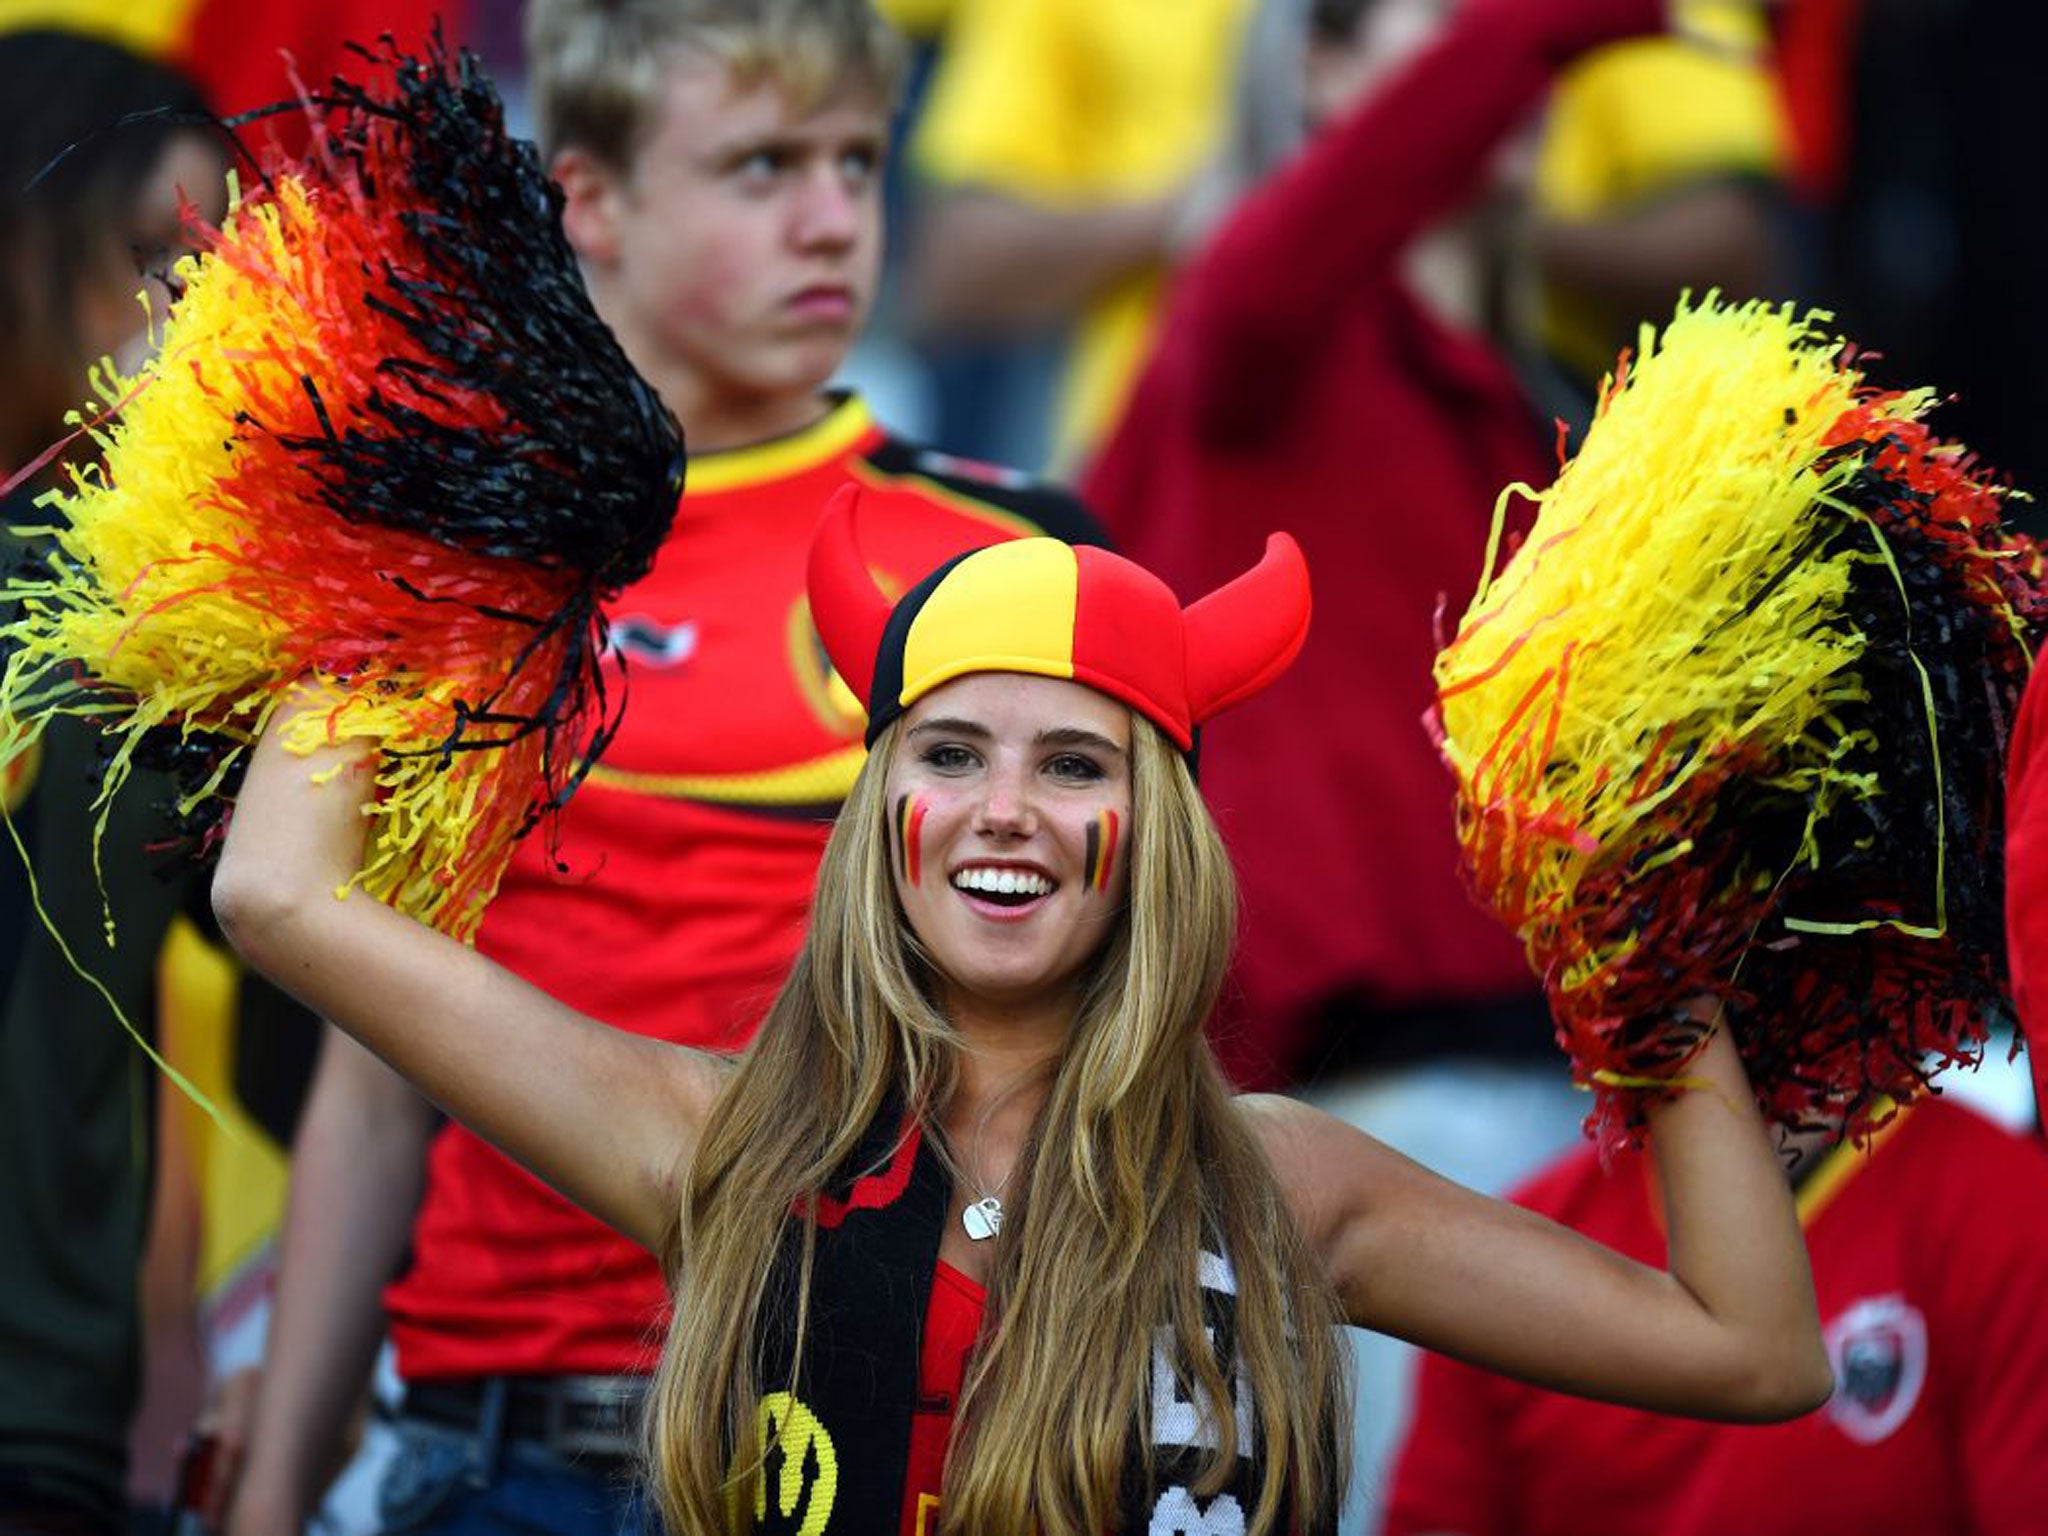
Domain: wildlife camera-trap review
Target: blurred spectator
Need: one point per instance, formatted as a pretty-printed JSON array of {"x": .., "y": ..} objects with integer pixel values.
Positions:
[
  {"x": 1059, "y": 141},
  {"x": 219, "y": 1203},
  {"x": 77, "y": 235},
  {"x": 1658, "y": 171},
  {"x": 1301, "y": 380},
  {"x": 1930, "y": 1251},
  {"x": 213, "y": 1212},
  {"x": 1299, "y": 372}
]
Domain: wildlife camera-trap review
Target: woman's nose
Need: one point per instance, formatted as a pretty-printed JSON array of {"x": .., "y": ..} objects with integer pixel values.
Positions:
[{"x": 1006, "y": 807}]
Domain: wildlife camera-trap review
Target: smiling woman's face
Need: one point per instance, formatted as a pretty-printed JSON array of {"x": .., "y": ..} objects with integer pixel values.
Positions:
[{"x": 1009, "y": 803}]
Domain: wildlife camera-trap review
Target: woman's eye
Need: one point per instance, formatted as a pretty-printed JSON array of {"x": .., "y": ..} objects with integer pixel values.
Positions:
[
  {"x": 1072, "y": 765},
  {"x": 948, "y": 758}
]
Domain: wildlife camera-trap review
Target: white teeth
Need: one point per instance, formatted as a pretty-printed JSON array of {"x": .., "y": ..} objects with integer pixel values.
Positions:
[{"x": 1003, "y": 882}]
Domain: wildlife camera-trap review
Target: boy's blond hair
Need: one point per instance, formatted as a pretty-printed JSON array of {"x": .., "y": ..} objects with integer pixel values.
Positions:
[{"x": 596, "y": 67}]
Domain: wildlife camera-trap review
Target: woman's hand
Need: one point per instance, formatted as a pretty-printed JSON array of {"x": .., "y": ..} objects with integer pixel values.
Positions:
[{"x": 295, "y": 837}]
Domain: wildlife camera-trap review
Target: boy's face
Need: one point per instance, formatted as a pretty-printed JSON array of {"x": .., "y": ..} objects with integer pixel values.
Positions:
[{"x": 738, "y": 257}]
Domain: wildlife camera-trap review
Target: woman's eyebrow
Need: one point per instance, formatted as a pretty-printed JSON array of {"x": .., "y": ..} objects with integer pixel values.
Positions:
[
  {"x": 1077, "y": 736},
  {"x": 950, "y": 726}
]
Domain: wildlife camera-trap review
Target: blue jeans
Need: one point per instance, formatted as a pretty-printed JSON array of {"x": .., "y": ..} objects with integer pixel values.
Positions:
[{"x": 450, "y": 1482}]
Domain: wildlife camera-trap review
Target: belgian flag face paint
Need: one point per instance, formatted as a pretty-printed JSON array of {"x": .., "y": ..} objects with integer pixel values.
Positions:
[
  {"x": 908, "y": 823},
  {"x": 1099, "y": 855}
]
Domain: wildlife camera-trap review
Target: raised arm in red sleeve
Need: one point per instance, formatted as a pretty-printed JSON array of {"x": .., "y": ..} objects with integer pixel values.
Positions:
[{"x": 1337, "y": 219}]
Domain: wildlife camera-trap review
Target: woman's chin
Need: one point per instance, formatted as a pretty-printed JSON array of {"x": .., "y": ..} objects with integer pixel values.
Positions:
[{"x": 980, "y": 992}]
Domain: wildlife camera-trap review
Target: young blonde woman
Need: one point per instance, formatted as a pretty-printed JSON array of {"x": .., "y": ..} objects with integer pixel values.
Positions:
[{"x": 974, "y": 1238}]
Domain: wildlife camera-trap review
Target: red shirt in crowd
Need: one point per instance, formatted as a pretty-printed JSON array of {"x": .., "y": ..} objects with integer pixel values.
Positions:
[{"x": 1930, "y": 1259}]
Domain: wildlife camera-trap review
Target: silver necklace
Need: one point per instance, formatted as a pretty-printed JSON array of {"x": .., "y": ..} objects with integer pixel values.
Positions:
[{"x": 982, "y": 1218}]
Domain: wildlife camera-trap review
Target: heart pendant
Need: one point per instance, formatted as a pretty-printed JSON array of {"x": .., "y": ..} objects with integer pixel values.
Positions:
[{"x": 983, "y": 1219}]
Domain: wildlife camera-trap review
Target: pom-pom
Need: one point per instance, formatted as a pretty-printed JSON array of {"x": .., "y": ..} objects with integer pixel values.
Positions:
[
  {"x": 1729, "y": 725},
  {"x": 386, "y": 443}
]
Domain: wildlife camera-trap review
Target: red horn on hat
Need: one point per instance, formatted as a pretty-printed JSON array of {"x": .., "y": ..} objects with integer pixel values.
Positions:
[
  {"x": 850, "y": 611},
  {"x": 1242, "y": 636}
]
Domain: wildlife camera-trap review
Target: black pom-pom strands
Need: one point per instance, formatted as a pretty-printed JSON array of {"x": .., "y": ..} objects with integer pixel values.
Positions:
[{"x": 386, "y": 444}]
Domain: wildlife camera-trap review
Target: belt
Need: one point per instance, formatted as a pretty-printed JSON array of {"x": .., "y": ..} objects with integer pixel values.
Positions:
[{"x": 584, "y": 1418}]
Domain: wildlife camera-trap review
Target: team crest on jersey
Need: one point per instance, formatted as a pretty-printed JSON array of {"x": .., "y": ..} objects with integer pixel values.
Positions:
[
  {"x": 649, "y": 642},
  {"x": 1878, "y": 1348},
  {"x": 832, "y": 704}
]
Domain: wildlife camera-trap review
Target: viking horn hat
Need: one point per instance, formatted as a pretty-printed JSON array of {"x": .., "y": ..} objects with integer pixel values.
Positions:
[{"x": 1053, "y": 609}]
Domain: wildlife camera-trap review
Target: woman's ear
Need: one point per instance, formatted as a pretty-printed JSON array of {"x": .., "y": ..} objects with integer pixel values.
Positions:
[{"x": 591, "y": 190}]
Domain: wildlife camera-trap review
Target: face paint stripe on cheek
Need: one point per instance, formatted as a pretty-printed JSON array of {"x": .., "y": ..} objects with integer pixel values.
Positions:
[
  {"x": 1100, "y": 853},
  {"x": 909, "y": 834}
]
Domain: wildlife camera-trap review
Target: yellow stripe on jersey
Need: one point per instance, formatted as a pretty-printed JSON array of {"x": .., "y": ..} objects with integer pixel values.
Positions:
[
  {"x": 823, "y": 780},
  {"x": 736, "y": 468},
  {"x": 1015, "y": 524},
  {"x": 1842, "y": 1164},
  {"x": 240, "y": 1172}
]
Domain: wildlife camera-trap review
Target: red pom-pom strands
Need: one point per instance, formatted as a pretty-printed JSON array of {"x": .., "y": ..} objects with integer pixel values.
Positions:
[
  {"x": 386, "y": 444},
  {"x": 1728, "y": 728}
]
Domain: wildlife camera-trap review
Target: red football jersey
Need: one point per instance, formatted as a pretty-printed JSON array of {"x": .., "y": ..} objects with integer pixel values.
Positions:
[
  {"x": 677, "y": 893},
  {"x": 1929, "y": 1254}
]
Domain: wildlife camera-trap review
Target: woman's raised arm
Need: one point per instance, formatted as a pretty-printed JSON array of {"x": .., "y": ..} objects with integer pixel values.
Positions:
[
  {"x": 1729, "y": 1332},
  {"x": 606, "y": 1117}
]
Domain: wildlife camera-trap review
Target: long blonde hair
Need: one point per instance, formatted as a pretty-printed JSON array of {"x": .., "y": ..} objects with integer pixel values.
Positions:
[{"x": 1136, "y": 1162}]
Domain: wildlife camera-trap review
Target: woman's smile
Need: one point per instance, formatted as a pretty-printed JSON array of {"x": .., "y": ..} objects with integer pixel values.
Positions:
[{"x": 1004, "y": 892}]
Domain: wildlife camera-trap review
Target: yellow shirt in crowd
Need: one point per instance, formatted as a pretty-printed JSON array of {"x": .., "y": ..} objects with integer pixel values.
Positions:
[
  {"x": 1644, "y": 119},
  {"x": 1074, "y": 103}
]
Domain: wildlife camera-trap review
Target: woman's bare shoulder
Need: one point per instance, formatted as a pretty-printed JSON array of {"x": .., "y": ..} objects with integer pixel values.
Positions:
[
  {"x": 1289, "y": 1129},
  {"x": 1316, "y": 1158}
]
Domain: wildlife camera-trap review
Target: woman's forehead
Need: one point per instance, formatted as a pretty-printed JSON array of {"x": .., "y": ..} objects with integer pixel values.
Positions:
[{"x": 1016, "y": 703}]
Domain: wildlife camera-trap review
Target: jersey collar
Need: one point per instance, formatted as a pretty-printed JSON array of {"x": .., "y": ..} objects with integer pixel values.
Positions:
[{"x": 829, "y": 437}]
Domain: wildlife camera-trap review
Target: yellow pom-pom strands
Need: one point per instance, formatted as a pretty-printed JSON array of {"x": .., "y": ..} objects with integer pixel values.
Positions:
[
  {"x": 1700, "y": 750},
  {"x": 363, "y": 456},
  {"x": 199, "y": 569}
]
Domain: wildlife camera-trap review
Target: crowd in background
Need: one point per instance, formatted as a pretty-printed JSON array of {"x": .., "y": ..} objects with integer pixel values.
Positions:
[{"x": 1218, "y": 266}]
